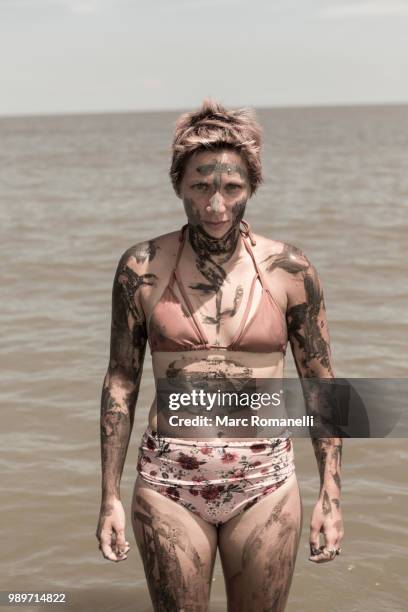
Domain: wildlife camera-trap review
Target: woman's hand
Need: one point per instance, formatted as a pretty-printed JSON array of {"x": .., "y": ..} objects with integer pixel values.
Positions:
[
  {"x": 111, "y": 530},
  {"x": 326, "y": 519}
]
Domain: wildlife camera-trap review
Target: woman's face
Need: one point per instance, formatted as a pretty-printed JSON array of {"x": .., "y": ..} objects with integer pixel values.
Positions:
[{"x": 214, "y": 190}]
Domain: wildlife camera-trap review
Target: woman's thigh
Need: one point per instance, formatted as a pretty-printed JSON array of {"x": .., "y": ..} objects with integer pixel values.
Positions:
[
  {"x": 258, "y": 551},
  {"x": 178, "y": 550}
]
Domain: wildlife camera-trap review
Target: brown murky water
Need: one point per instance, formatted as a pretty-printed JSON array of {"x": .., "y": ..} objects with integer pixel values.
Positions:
[{"x": 75, "y": 192}]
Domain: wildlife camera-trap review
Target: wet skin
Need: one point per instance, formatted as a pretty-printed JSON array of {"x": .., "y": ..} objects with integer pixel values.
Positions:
[{"x": 214, "y": 188}]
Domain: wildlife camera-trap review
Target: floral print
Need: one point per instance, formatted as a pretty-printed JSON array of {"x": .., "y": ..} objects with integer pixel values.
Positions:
[{"x": 216, "y": 480}]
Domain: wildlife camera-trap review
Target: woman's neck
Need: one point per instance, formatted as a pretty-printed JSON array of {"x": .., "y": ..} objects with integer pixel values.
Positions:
[
  {"x": 220, "y": 250},
  {"x": 211, "y": 255}
]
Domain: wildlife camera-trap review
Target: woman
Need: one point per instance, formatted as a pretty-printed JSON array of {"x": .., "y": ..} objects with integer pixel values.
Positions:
[{"x": 214, "y": 299}]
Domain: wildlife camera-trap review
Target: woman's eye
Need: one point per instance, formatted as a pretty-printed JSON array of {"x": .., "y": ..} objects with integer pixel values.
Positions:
[
  {"x": 233, "y": 187},
  {"x": 201, "y": 187}
]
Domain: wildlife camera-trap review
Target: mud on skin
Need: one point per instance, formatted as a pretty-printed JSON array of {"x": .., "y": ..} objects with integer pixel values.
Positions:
[
  {"x": 121, "y": 384},
  {"x": 304, "y": 327},
  {"x": 211, "y": 254},
  {"x": 145, "y": 251},
  {"x": 208, "y": 369},
  {"x": 276, "y": 558},
  {"x": 308, "y": 336},
  {"x": 176, "y": 576}
]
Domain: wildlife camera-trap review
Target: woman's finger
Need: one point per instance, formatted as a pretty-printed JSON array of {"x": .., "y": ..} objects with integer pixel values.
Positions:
[
  {"x": 121, "y": 548},
  {"x": 320, "y": 556},
  {"x": 106, "y": 547},
  {"x": 314, "y": 540},
  {"x": 326, "y": 554},
  {"x": 330, "y": 541}
]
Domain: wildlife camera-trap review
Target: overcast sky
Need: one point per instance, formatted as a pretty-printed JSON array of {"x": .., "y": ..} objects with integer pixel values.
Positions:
[{"x": 111, "y": 55}]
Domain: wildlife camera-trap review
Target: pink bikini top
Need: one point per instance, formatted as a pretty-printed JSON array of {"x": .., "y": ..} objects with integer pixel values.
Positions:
[{"x": 171, "y": 329}]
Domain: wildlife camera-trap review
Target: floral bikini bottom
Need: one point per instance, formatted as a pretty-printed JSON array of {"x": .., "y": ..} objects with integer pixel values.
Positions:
[{"x": 213, "y": 478}]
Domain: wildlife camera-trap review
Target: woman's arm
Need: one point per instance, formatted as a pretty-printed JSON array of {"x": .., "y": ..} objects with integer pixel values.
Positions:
[
  {"x": 310, "y": 343},
  {"x": 119, "y": 396}
]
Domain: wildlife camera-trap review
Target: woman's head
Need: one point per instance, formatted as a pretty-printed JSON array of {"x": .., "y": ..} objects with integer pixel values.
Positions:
[
  {"x": 216, "y": 166},
  {"x": 213, "y": 128}
]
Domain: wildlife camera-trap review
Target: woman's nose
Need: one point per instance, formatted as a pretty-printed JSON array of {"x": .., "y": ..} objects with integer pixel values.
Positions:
[{"x": 216, "y": 203}]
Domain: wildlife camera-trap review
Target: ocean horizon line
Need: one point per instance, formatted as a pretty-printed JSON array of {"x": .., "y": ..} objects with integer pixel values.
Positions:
[{"x": 108, "y": 112}]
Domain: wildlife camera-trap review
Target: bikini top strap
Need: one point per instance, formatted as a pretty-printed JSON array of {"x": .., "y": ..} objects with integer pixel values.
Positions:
[
  {"x": 181, "y": 238},
  {"x": 246, "y": 231},
  {"x": 175, "y": 277},
  {"x": 247, "y": 234}
]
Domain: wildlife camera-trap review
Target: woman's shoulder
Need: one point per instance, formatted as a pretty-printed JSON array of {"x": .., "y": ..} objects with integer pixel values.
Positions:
[
  {"x": 144, "y": 254},
  {"x": 277, "y": 254}
]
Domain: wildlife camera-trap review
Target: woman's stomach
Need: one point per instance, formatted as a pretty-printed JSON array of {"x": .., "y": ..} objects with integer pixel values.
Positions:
[{"x": 214, "y": 394}]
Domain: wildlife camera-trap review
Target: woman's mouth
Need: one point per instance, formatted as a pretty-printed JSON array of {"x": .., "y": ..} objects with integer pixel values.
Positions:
[{"x": 216, "y": 223}]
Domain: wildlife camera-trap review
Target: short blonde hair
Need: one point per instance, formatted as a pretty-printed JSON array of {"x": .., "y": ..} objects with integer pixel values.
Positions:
[{"x": 214, "y": 127}]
